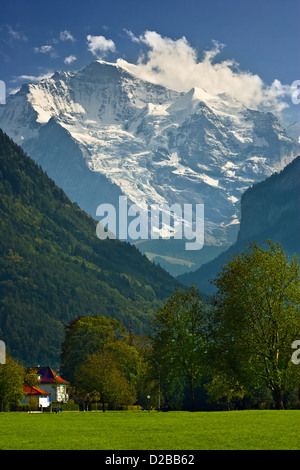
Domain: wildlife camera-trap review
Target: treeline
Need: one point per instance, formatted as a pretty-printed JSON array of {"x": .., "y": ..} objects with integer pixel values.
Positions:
[{"x": 233, "y": 352}]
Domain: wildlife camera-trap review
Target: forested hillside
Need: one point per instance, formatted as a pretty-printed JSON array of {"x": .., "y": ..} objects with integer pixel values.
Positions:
[{"x": 53, "y": 268}]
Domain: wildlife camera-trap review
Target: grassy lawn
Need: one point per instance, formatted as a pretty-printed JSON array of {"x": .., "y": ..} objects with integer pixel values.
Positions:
[{"x": 114, "y": 430}]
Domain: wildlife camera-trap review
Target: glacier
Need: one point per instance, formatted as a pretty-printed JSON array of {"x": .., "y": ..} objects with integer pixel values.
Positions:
[{"x": 101, "y": 133}]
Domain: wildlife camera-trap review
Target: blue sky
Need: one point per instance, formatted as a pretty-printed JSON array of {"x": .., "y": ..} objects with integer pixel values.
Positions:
[{"x": 259, "y": 37}]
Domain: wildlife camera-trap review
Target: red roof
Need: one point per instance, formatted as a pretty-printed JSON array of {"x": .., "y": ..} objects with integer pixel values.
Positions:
[
  {"x": 48, "y": 376},
  {"x": 34, "y": 391}
]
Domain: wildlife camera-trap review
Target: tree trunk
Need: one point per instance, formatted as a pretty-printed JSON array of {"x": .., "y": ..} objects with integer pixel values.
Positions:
[
  {"x": 278, "y": 398},
  {"x": 192, "y": 392}
]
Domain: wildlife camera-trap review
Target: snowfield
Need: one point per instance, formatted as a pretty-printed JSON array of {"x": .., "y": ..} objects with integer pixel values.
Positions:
[{"x": 152, "y": 144}]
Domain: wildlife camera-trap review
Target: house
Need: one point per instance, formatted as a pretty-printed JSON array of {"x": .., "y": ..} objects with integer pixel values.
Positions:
[
  {"x": 34, "y": 392},
  {"x": 52, "y": 383}
]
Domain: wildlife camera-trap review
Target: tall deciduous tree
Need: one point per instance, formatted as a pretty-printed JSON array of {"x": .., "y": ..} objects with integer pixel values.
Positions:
[
  {"x": 178, "y": 346},
  {"x": 11, "y": 383},
  {"x": 101, "y": 373},
  {"x": 31, "y": 380},
  {"x": 84, "y": 336},
  {"x": 97, "y": 357},
  {"x": 257, "y": 318}
]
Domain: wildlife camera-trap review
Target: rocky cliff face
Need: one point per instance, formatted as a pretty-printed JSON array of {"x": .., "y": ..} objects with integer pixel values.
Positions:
[{"x": 270, "y": 210}]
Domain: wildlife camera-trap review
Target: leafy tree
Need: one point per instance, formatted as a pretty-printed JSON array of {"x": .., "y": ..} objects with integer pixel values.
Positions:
[
  {"x": 11, "y": 383},
  {"x": 179, "y": 343},
  {"x": 257, "y": 319},
  {"x": 95, "y": 396},
  {"x": 100, "y": 373},
  {"x": 84, "y": 336},
  {"x": 127, "y": 357},
  {"x": 31, "y": 379},
  {"x": 96, "y": 357},
  {"x": 223, "y": 388}
]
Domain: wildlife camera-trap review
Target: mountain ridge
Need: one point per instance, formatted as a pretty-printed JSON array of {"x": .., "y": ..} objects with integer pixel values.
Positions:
[
  {"x": 270, "y": 210},
  {"x": 53, "y": 268},
  {"x": 152, "y": 144}
]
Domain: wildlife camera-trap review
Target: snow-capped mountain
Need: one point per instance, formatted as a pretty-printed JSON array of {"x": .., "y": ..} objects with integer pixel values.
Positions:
[{"x": 101, "y": 132}]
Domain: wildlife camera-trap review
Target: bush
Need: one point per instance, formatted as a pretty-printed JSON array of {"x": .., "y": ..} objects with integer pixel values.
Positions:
[
  {"x": 69, "y": 406},
  {"x": 21, "y": 407}
]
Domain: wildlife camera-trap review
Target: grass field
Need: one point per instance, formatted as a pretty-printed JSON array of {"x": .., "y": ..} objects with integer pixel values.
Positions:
[{"x": 113, "y": 430}]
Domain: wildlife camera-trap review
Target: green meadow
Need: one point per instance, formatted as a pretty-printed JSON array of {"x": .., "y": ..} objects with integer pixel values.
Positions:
[{"x": 129, "y": 430}]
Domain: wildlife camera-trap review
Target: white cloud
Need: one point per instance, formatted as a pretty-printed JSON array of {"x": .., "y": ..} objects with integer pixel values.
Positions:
[
  {"x": 13, "y": 91},
  {"x": 100, "y": 46},
  {"x": 132, "y": 36},
  {"x": 66, "y": 36},
  {"x": 43, "y": 49},
  {"x": 33, "y": 78},
  {"x": 27, "y": 79},
  {"x": 70, "y": 59},
  {"x": 18, "y": 35},
  {"x": 175, "y": 64}
]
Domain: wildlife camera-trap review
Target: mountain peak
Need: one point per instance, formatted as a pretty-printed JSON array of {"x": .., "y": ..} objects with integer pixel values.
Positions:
[
  {"x": 147, "y": 142},
  {"x": 199, "y": 94}
]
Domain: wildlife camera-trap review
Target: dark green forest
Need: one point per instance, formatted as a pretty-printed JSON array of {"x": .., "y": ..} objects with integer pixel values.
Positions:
[{"x": 53, "y": 268}]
